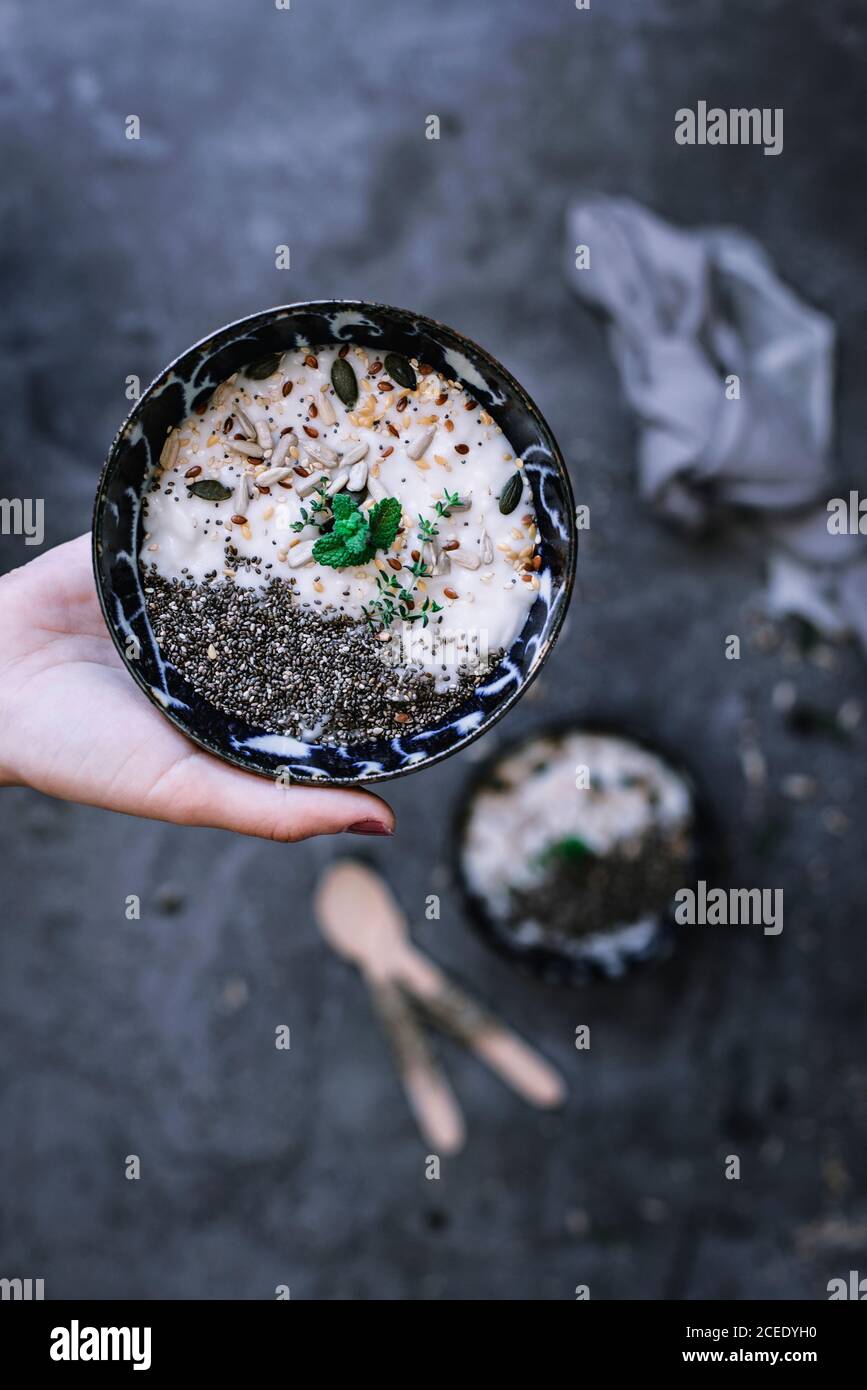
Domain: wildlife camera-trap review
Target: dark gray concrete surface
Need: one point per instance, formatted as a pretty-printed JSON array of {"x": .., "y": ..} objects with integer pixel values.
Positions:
[{"x": 156, "y": 1038}]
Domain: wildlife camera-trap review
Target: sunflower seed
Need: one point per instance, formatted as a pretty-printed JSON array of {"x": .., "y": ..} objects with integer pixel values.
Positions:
[
  {"x": 282, "y": 447},
  {"x": 242, "y": 494},
  {"x": 421, "y": 444},
  {"x": 436, "y": 560},
  {"x": 245, "y": 422},
  {"x": 170, "y": 450},
  {"x": 400, "y": 371},
  {"x": 326, "y": 410},
  {"x": 345, "y": 382},
  {"x": 376, "y": 490},
  {"x": 354, "y": 455},
  {"x": 304, "y": 486},
  {"x": 301, "y": 554},
  {"x": 321, "y": 454},
  {"x": 245, "y": 446},
  {"x": 487, "y": 549},
  {"x": 273, "y": 475},
  {"x": 263, "y": 434},
  {"x": 465, "y": 559},
  {"x": 338, "y": 482},
  {"x": 463, "y": 504},
  {"x": 357, "y": 476}
]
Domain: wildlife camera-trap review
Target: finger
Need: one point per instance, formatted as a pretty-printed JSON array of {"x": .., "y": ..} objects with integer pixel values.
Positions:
[{"x": 200, "y": 791}]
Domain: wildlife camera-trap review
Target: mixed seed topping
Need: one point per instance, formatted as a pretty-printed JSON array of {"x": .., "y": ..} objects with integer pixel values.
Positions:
[{"x": 374, "y": 490}]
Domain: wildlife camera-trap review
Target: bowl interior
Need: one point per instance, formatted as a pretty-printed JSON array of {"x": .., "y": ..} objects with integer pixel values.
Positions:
[
  {"x": 190, "y": 381},
  {"x": 612, "y": 955}
]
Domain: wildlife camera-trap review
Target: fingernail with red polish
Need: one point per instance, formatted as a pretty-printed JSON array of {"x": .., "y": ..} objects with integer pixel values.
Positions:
[{"x": 369, "y": 827}]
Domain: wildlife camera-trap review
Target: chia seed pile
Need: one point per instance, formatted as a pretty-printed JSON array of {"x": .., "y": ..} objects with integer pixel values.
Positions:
[
  {"x": 256, "y": 654},
  {"x": 592, "y": 894}
]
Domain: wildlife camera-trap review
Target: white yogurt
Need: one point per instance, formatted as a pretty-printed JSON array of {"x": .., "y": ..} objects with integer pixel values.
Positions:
[{"x": 461, "y": 450}]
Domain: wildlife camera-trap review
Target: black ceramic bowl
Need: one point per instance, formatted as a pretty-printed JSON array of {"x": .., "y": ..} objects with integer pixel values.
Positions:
[
  {"x": 582, "y": 961},
  {"x": 189, "y": 381}
]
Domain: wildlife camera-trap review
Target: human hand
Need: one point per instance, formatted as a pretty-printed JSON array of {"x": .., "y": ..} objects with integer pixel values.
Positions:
[{"x": 73, "y": 724}]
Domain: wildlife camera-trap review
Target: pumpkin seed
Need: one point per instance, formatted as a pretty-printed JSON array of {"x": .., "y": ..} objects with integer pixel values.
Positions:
[
  {"x": 210, "y": 490},
  {"x": 400, "y": 371},
  {"x": 345, "y": 382},
  {"x": 511, "y": 494},
  {"x": 265, "y": 367}
]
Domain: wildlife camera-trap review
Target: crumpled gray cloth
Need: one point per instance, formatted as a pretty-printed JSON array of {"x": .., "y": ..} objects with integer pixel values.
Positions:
[{"x": 687, "y": 310}]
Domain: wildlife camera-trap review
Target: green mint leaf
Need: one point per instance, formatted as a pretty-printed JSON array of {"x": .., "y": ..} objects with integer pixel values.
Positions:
[
  {"x": 332, "y": 550},
  {"x": 343, "y": 506},
  {"x": 358, "y": 546},
  {"x": 356, "y": 535},
  {"x": 570, "y": 850},
  {"x": 384, "y": 523}
]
